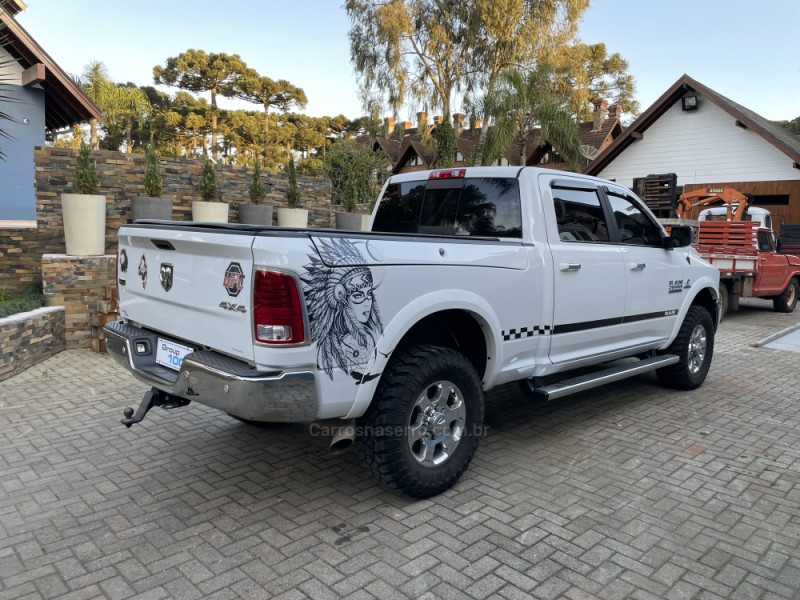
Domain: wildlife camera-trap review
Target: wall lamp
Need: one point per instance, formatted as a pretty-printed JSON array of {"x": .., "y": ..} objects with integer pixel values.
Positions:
[{"x": 689, "y": 102}]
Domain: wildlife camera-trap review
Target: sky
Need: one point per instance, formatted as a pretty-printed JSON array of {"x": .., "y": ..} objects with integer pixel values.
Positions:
[{"x": 741, "y": 49}]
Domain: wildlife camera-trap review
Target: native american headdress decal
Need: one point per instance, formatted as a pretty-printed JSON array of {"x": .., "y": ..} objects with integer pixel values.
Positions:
[{"x": 342, "y": 308}]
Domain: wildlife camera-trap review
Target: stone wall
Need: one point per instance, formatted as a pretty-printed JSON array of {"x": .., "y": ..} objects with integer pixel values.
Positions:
[
  {"x": 29, "y": 338},
  {"x": 85, "y": 286},
  {"x": 121, "y": 178}
]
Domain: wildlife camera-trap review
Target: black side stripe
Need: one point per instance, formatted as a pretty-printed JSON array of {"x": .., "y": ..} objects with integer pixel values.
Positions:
[{"x": 583, "y": 326}]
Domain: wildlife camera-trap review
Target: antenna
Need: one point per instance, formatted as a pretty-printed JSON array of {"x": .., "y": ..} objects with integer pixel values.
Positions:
[{"x": 588, "y": 151}]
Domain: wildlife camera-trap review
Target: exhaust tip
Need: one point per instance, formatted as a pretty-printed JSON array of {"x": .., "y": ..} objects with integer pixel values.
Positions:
[{"x": 340, "y": 445}]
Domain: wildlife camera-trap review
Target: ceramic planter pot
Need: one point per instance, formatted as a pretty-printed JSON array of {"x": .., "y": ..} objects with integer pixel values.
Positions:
[
  {"x": 209, "y": 212},
  {"x": 293, "y": 217},
  {"x": 255, "y": 214},
  {"x": 352, "y": 221},
  {"x": 84, "y": 224},
  {"x": 145, "y": 207}
]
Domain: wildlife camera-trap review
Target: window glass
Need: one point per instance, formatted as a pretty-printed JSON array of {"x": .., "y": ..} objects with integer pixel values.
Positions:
[
  {"x": 438, "y": 215},
  {"x": 399, "y": 208},
  {"x": 477, "y": 206},
  {"x": 764, "y": 241},
  {"x": 579, "y": 216},
  {"x": 489, "y": 206},
  {"x": 635, "y": 227}
]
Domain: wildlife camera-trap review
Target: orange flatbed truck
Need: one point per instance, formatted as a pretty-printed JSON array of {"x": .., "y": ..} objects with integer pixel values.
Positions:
[
  {"x": 738, "y": 240},
  {"x": 748, "y": 264}
]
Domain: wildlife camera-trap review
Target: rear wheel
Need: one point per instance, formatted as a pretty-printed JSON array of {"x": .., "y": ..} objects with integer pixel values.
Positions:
[
  {"x": 787, "y": 299},
  {"x": 422, "y": 428},
  {"x": 694, "y": 346}
]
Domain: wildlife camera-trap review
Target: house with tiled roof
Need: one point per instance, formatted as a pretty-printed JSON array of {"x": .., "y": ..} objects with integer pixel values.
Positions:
[
  {"x": 703, "y": 138},
  {"x": 406, "y": 145},
  {"x": 39, "y": 97}
]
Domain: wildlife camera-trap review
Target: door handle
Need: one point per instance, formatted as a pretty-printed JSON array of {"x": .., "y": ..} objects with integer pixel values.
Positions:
[
  {"x": 569, "y": 266},
  {"x": 637, "y": 266}
]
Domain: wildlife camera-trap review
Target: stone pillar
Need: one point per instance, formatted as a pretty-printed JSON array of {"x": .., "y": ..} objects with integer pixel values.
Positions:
[{"x": 86, "y": 287}]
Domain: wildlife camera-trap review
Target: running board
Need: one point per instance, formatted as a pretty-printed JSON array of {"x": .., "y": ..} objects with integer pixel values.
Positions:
[{"x": 598, "y": 378}]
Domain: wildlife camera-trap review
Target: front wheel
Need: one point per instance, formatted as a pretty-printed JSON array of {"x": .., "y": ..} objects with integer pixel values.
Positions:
[
  {"x": 421, "y": 430},
  {"x": 723, "y": 299},
  {"x": 694, "y": 346},
  {"x": 787, "y": 299}
]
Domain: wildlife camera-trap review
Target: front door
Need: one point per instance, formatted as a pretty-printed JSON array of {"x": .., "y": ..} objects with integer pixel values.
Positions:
[{"x": 656, "y": 279}]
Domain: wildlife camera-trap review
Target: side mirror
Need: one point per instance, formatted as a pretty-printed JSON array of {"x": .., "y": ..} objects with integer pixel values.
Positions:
[{"x": 680, "y": 236}]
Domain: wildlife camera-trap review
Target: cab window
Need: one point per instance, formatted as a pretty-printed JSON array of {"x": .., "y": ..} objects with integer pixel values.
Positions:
[
  {"x": 579, "y": 216},
  {"x": 635, "y": 227}
]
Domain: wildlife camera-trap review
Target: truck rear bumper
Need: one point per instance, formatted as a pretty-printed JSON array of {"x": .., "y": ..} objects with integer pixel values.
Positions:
[{"x": 216, "y": 380}]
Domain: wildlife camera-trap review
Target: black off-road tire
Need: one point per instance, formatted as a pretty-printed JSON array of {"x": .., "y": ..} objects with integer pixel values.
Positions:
[
  {"x": 383, "y": 440},
  {"x": 694, "y": 346},
  {"x": 787, "y": 299}
]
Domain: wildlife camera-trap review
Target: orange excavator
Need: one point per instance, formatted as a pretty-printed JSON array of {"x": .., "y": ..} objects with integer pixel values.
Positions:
[{"x": 735, "y": 201}]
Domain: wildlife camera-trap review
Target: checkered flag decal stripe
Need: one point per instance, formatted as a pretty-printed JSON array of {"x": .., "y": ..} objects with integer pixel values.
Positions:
[{"x": 515, "y": 334}]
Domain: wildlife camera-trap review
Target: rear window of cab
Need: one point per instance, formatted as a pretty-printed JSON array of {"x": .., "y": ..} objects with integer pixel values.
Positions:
[{"x": 473, "y": 206}]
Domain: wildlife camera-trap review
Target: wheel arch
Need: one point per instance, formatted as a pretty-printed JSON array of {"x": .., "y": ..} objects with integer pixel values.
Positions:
[
  {"x": 708, "y": 298},
  {"x": 467, "y": 325}
]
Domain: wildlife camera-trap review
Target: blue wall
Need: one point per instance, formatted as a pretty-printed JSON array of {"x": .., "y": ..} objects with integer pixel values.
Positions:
[{"x": 17, "y": 173}]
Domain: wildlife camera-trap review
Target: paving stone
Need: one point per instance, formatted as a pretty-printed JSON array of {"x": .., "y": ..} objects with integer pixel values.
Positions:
[{"x": 630, "y": 491}]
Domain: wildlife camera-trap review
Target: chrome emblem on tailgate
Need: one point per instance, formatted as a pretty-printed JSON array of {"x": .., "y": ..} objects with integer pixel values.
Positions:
[{"x": 166, "y": 276}]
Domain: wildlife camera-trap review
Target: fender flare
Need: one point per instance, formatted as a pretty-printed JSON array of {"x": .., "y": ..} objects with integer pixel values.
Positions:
[
  {"x": 705, "y": 282},
  {"x": 413, "y": 313}
]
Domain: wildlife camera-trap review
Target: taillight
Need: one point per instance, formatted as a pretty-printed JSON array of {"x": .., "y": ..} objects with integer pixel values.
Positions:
[
  {"x": 277, "y": 309},
  {"x": 448, "y": 174}
]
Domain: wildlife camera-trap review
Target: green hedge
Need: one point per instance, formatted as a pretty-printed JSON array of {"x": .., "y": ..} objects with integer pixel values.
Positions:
[{"x": 33, "y": 298}]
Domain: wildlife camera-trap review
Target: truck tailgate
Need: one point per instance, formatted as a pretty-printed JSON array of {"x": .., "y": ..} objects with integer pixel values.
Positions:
[{"x": 193, "y": 284}]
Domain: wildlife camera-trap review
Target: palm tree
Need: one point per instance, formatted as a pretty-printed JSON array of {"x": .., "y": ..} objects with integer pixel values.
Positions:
[
  {"x": 127, "y": 105},
  {"x": 525, "y": 102},
  {"x": 100, "y": 89}
]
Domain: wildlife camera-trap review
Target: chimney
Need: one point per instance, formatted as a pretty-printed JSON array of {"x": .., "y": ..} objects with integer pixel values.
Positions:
[
  {"x": 458, "y": 123},
  {"x": 600, "y": 113},
  {"x": 615, "y": 111},
  {"x": 406, "y": 125},
  {"x": 422, "y": 120},
  {"x": 437, "y": 119},
  {"x": 476, "y": 123},
  {"x": 389, "y": 122}
]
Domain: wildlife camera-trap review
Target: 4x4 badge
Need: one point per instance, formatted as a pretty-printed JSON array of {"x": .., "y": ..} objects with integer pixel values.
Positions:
[
  {"x": 234, "y": 279},
  {"x": 166, "y": 276}
]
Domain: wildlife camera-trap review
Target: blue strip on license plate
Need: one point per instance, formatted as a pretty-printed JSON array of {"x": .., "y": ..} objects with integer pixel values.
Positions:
[{"x": 171, "y": 355}]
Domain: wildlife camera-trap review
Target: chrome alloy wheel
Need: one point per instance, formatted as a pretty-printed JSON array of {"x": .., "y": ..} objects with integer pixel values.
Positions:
[
  {"x": 697, "y": 348},
  {"x": 437, "y": 423}
]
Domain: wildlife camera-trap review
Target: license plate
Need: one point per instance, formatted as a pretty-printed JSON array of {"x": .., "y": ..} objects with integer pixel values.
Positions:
[{"x": 170, "y": 354}]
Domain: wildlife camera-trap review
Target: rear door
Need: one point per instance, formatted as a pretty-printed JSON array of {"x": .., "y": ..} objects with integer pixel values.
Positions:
[
  {"x": 589, "y": 277},
  {"x": 192, "y": 283}
]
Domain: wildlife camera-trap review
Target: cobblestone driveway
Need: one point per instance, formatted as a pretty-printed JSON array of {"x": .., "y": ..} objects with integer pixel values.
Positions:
[{"x": 630, "y": 491}]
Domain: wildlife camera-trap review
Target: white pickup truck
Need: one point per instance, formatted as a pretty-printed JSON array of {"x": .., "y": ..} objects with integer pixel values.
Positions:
[{"x": 469, "y": 279}]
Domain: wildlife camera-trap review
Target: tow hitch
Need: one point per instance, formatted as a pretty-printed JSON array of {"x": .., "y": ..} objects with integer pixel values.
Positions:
[{"x": 154, "y": 397}]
